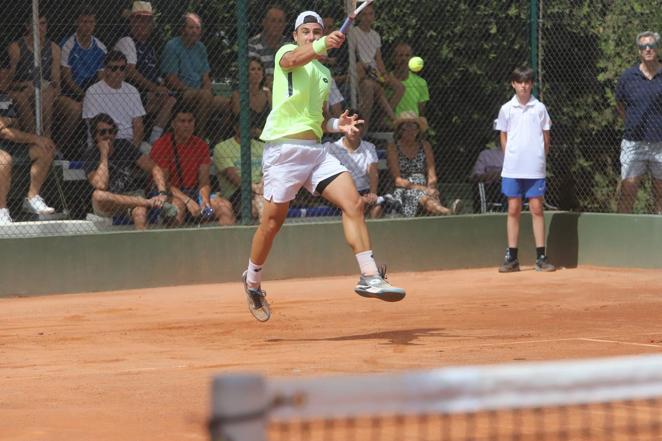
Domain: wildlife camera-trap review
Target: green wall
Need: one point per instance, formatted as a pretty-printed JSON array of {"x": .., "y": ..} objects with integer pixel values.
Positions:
[{"x": 126, "y": 260}]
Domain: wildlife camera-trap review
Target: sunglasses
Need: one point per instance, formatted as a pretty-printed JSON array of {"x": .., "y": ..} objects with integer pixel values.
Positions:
[
  {"x": 647, "y": 46},
  {"x": 115, "y": 68},
  {"x": 104, "y": 132}
]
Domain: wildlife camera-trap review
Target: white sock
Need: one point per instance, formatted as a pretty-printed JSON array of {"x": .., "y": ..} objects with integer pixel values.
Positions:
[
  {"x": 254, "y": 275},
  {"x": 156, "y": 134},
  {"x": 367, "y": 263}
]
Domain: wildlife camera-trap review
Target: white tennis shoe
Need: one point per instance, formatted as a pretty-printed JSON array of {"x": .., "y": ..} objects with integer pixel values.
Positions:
[
  {"x": 377, "y": 287},
  {"x": 257, "y": 301}
]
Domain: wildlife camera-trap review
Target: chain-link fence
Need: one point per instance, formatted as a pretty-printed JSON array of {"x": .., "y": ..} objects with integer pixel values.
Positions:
[{"x": 168, "y": 74}]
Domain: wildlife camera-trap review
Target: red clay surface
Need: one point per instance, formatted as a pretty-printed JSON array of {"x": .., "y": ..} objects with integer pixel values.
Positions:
[{"x": 137, "y": 365}]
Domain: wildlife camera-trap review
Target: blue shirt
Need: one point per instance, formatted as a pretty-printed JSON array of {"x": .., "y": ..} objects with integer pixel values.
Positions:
[
  {"x": 83, "y": 62},
  {"x": 188, "y": 63},
  {"x": 642, "y": 100}
]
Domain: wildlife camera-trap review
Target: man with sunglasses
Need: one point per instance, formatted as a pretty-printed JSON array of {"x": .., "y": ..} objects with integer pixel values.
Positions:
[
  {"x": 118, "y": 99},
  {"x": 110, "y": 169},
  {"x": 639, "y": 98}
]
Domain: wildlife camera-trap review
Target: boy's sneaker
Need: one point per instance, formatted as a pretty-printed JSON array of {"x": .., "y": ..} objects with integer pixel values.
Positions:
[
  {"x": 509, "y": 266},
  {"x": 5, "y": 218},
  {"x": 542, "y": 264},
  {"x": 456, "y": 206},
  {"x": 36, "y": 205},
  {"x": 257, "y": 301},
  {"x": 378, "y": 288}
]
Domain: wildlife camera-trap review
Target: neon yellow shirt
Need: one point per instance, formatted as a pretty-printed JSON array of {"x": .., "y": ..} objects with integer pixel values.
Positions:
[{"x": 298, "y": 98}]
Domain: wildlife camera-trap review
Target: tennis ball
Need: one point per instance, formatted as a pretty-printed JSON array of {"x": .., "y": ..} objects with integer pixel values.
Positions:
[{"x": 416, "y": 64}]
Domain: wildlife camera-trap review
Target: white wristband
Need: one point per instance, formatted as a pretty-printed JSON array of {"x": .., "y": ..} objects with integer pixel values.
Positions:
[{"x": 333, "y": 125}]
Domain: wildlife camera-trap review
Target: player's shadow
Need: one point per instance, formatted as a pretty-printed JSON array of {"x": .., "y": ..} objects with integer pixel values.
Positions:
[{"x": 403, "y": 337}]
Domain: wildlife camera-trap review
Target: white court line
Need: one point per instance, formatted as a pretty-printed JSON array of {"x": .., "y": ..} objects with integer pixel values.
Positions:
[{"x": 597, "y": 340}]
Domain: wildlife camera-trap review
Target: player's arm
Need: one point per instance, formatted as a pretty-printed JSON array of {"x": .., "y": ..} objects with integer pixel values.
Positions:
[
  {"x": 547, "y": 137},
  {"x": 373, "y": 177},
  {"x": 303, "y": 55},
  {"x": 204, "y": 183},
  {"x": 503, "y": 139}
]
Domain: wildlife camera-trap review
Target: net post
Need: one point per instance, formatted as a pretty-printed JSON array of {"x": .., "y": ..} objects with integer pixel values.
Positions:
[{"x": 240, "y": 406}]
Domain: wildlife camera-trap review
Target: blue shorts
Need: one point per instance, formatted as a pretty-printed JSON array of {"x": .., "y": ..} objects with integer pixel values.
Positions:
[{"x": 523, "y": 188}]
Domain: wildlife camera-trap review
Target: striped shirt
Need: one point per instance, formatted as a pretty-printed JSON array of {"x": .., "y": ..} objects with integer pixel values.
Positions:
[{"x": 258, "y": 48}]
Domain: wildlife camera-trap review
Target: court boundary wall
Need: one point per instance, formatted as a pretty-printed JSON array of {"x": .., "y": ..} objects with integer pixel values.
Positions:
[{"x": 134, "y": 260}]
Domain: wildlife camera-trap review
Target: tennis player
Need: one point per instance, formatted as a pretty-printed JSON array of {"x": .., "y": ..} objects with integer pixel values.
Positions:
[{"x": 294, "y": 158}]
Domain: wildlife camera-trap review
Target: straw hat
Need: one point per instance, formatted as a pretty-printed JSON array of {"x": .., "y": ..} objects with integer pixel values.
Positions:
[
  {"x": 142, "y": 8},
  {"x": 409, "y": 116}
]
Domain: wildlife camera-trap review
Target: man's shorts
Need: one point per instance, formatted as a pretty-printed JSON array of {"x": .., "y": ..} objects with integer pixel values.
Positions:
[
  {"x": 290, "y": 164},
  {"x": 523, "y": 188},
  {"x": 639, "y": 156},
  {"x": 101, "y": 213}
]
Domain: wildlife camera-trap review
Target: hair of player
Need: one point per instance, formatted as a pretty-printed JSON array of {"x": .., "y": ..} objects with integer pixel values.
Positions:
[{"x": 522, "y": 74}]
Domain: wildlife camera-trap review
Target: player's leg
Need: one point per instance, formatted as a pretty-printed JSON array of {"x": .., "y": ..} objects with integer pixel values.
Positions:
[
  {"x": 511, "y": 188},
  {"x": 534, "y": 190},
  {"x": 633, "y": 167}
]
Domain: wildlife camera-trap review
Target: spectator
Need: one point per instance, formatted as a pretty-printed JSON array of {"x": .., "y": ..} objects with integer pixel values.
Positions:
[
  {"x": 143, "y": 66},
  {"x": 360, "y": 158},
  {"x": 14, "y": 145},
  {"x": 409, "y": 91},
  {"x": 185, "y": 160},
  {"x": 118, "y": 99},
  {"x": 186, "y": 69},
  {"x": 487, "y": 170},
  {"x": 259, "y": 96},
  {"x": 639, "y": 95},
  {"x": 371, "y": 71},
  {"x": 110, "y": 169},
  {"x": 265, "y": 44},
  {"x": 21, "y": 77},
  {"x": 525, "y": 139},
  {"x": 82, "y": 64},
  {"x": 412, "y": 166},
  {"x": 227, "y": 157}
]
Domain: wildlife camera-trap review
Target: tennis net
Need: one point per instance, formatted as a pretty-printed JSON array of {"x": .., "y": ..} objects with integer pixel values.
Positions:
[{"x": 610, "y": 399}]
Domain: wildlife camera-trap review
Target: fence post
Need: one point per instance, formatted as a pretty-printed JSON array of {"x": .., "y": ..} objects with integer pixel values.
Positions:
[
  {"x": 533, "y": 41},
  {"x": 36, "y": 72},
  {"x": 239, "y": 408},
  {"x": 244, "y": 123}
]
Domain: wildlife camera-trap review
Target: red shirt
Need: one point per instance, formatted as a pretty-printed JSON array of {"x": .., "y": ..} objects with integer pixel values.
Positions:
[{"x": 192, "y": 154}]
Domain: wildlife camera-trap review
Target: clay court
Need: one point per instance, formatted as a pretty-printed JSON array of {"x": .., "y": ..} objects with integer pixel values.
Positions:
[{"x": 137, "y": 365}]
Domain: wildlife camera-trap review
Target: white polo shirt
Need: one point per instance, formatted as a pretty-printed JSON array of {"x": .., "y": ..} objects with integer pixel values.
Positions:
[
  {"x": 525, "y": 149},
  {"x": 358, "y": 162}
]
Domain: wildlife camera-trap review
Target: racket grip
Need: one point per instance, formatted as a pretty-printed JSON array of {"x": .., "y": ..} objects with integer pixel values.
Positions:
[{"x": 345, "y": 26}]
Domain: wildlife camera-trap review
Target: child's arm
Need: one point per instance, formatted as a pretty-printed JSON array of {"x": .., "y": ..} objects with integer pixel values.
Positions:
[
  {"x": 548, "y": 140},
  {"x": 503, "y": 138}
]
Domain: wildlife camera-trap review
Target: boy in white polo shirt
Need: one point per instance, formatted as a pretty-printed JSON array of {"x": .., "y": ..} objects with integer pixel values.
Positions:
[{"x": 524, "y": 134}]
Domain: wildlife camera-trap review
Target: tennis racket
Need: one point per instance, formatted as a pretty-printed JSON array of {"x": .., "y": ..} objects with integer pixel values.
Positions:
[{"x": 350, "y": 18}]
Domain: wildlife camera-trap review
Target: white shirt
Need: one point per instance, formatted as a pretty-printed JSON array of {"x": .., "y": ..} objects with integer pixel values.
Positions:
[
  {"x": 127, "y": 46},
  {"x": 525, "y": 149},
  {"x": 335, "y": 96},
  {"x": 366, "y": 44},
  {"x": 357, "y": 162},
  {"x": 123, "y": 105}
]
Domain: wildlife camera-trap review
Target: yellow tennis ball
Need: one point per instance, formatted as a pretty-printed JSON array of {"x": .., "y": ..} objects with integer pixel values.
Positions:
[{"x": 416, "y": 64}]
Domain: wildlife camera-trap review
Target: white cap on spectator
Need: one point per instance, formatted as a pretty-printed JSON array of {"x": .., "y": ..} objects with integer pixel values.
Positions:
[
  {"x": 142, "y": 8},
  {"x": 304, "y": 18}
]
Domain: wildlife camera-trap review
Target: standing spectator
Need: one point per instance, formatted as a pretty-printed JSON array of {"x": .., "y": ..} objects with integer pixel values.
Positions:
[
  {"x": 110, "y": 169},
  {"x": 410, "y": 91},
  {"x": 265, "y": 44},
  {"x": 227, "y": 157},
  {"x": 82, "y": 64},
  {"x": 639, "y": 97},
  {"x": 21, "y": 76},
  {"x": 185, "y": 160},
  {"x": 259, "y": 97},
  {"x": 185, "y": 66},
  {"x": 525, "y": 139},
  {"x": 118, "y": 99},
  {"x": 412, "y": 166},
  {"x": 143, "y": 66},
  {"x": 15, "y": 143}
]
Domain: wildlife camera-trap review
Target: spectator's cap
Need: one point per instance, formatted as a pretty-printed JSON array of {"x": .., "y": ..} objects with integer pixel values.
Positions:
[
  {"x": 308, "y": 17},
  {"x": 409, "y": 116},
  {"x": 142, "y": 8}
]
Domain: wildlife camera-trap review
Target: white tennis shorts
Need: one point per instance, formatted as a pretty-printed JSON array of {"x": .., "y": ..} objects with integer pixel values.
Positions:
[{"x": 290, "y": 164}]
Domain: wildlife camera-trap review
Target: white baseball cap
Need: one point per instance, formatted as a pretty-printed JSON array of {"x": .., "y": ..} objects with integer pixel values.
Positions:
[{"x": 308, "y": 17}]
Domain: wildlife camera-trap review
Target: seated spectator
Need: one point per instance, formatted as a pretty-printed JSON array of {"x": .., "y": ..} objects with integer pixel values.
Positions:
[
  {"x": 371, "y": 71},
  {"x": 259, "y": 95},
  {"x": 185, "y": 160},
  {"x": 21, "y": 77},
  {"x": 82, "y": 65},
  {"x": 487, "y": 170},
  {"x": 110, "y": 169},
  {"x": 185, "y": 66},
  {"x": 412, "y": 166},
  {"x": 265, "y": 44},
  {"x": 227, "y": 157},
  {"x": 360, "y": 158},
  {"x": 118, "y": 99},
  {"x": 14, "y": 145},
  {"x": 412, "y": 93},
  {"x": 143, "y": 67}
]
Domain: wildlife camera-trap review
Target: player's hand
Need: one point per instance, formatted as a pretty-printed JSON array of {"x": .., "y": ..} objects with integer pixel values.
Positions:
[
  {"x": 104, "y": 147},
  {"x": 334, "y": 40},
  {"x": 193, "y": 208},
  {"x": 370, "y": 198},
  {"x": 348, "y": 124}
]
